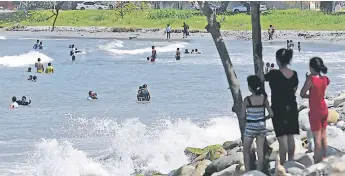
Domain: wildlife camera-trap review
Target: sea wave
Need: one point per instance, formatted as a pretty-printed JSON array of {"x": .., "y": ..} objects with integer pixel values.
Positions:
[{"x": 24, "y": 59}]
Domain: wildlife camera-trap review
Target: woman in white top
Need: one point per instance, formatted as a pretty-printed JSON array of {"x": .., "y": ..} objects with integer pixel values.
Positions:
[
  {"x": 14, "y": 103},
  {"x": 168, "y": 31}
]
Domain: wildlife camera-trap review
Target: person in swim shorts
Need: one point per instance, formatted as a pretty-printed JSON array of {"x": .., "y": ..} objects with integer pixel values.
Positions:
[
  {"x": 154, "y": 54},
  {"x": 316, "y": 84},
  {"x": 23, "y": 101},
  {"x": 39, "y": 66}
]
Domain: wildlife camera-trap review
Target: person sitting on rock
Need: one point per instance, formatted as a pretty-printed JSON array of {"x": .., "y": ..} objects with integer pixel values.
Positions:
[
  {"x": 316, "y": 84},
  {"x": 253, "y": 110}
]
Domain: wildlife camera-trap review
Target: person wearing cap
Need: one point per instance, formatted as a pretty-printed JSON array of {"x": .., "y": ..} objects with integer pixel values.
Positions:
[
  {"x": 39, "y": 66},
  {"x": 92, "y": 95},
  {"x": 23, "y": 101}
]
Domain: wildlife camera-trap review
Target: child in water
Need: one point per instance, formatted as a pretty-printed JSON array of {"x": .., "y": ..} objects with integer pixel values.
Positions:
[
  {"x": 272, "y": 67},
  {"x": 267, "y": 68},
  {"x": 316, "y": 84},
  {"x": 253, "y": 111},
  {"x": 178, "y": 54},
  {"x": 299, "y": 46}
]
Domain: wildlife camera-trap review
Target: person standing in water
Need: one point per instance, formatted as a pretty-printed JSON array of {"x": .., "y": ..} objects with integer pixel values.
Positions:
[
  {"x": 168, "y": 31},
  {"x": 178, "y": 54},
  {"x": 40, "y": 46},
  {"x": 316, "y": 84},
  {"x": 36, "y": 44},
  {"x": 14, "y": 103},
  {"x": 153, "y": 54},
  {"x": 39, "y": 66},
  {"x": 299, "y": 46},
  {"x": 50, "y": 68}
]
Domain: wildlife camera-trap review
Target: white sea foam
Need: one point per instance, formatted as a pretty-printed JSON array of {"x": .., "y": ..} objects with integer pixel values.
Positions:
[
  {"x": 3, "y": 38},
  {"x": 24, "y": 59},
  {"x": 167, "y": 48},
  {"x": 112, "y": 45},
  {"x": 134, "y": 146}
]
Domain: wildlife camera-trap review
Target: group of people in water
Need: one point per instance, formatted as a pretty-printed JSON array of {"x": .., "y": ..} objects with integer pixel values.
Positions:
[
  {"x": 291, "y": 45},
  {"x": 15, "y": 103},
  {"x": 283, "y": 109},
  {"x": 143, "y": 94},
  {"x": 38, "y": 45}
]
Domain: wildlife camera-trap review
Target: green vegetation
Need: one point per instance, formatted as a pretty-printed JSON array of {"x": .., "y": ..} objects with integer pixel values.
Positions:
[{"x": 292, "y": 19}]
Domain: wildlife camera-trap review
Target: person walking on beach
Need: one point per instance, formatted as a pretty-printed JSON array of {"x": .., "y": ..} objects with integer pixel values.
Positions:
[
  {"x": 185, "y": 30},
  {"x": 316, "y": 84},
  {"x": 253, "y": 111},
  {"x": 168, "y": 31},
  {"x": 283, "y": 84}
]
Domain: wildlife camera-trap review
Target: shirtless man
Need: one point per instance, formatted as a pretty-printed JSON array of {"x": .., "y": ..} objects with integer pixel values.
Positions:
[{"x": 39, "y": 66}]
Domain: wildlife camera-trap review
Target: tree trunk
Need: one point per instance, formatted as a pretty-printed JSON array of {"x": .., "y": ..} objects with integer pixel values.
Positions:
[
  {"x": 223, "y": 6},
  {"x": 258, "y": 66},
  {"x": 57, "y": 8},
  {"x": 213, "y": 27}
]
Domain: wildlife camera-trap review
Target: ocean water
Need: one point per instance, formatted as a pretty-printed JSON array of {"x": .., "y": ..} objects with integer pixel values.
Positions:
[{"x": 61, "y": 133}]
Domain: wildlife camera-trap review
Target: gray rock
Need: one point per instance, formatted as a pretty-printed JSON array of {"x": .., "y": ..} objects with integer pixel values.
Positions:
[
  {"x": 338, "y": 100},
  {"x": 228, "y": 171},
  {"x": 295, "y": 171},
  {"x": 331, "y": 151},
  {"x": 228, "y": 145},
  {"x": 340, "y": 124},
  {"x": 224, "y": 162},
  {"x": 294, "y": 168},
  {"x": 306, "y": 159},
  {"x": 254, "y": 173},
  {"x": 271, "y": 139},
  {"x": 184, "y": 171},
  {"x": 200, "y": 168},
  {"x": 234, "y": 150}
]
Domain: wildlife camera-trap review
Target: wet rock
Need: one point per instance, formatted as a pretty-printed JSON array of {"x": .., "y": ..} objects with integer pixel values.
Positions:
[
  {"x": 306, "y": 159},
  {"x": 333, "y": 116},
  {"x": 234, "y": 150},
  {"x": 214, "y": 152},
  {"x": 200, "y": 168},
  {"x": 193, "y": 153},
  {"x": 294, "y": 167},
  {"x": 224, "y": 162},
  {"x": 184, "y": 171}
]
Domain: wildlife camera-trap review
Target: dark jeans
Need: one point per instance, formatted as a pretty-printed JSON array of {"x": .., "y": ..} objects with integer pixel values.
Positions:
[{"x": 168, "y": 35}]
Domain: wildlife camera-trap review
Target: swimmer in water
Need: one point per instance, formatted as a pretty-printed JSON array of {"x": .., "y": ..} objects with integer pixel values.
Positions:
[
  {"x": 39, "y": 66},
  {"x": 178, "y": 54},
  {"x": 148, "y": 58},
  {"x": 143, "y": 93},
  {"x": 34, "y": 78},
  {"x": 272, "y": 67},
  {"x": 192, "y": 51},
  {"x": 23, "y": 101},
  {"x": 154, "y": 54},
  {"x": 92, "y": 96},
  {"x": 197, "y": 52},
  {"x": 14, "y": 103},
  {"x": 29, "y": 69},
  {"x": 186, "y": 51},
  {"x": 291, "y": 43},
  {"x": 50, "y": 68},
  {"x": 30, "y": 78},
  {"x": 40, "y": 46}
]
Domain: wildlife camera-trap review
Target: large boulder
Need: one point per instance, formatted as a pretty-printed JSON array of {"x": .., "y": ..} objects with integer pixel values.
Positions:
[
  {"x": 294, "y": 168},
  {"x": 254, "y": 173},
  {"x": 228, "y": 145},
  {"x": 184, "y": 171},
  {"x": 306, "y": 159},
  {"x": 192, "y": 152},
  {"x": 232, "y": 170},
  {"x": 214, "y": 152},
  {"x": 200, "y": 168},
  {"x": 340, "y": 99},
  {"x": 224, "y": 162},
  {"x": 333, "y": 116}
]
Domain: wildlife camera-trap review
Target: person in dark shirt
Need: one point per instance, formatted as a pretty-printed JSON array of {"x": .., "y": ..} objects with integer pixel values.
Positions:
[
  {"x": 23, "y": 101},
  {"x": 283, "y": 83}
]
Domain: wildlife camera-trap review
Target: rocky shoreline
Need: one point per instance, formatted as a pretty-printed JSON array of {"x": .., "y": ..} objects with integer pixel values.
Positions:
[
  {"x": 152, "y": 33},
  {"x": 227, "y": 159}
]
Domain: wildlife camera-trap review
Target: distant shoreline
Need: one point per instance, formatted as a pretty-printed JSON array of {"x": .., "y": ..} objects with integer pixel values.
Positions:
[{"x": 157, "y": 33}]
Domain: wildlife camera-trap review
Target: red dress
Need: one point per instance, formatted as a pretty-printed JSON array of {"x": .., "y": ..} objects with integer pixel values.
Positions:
[{"x": 318, "y": 108}]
